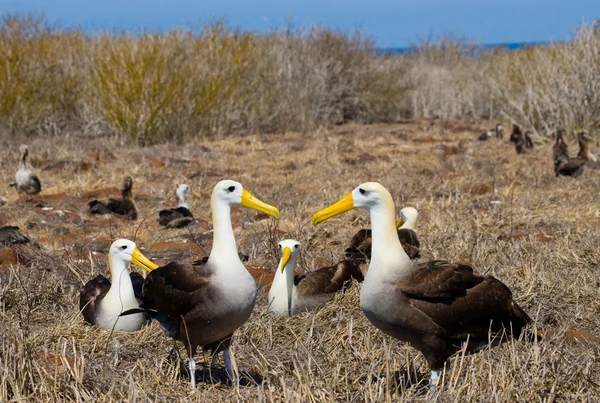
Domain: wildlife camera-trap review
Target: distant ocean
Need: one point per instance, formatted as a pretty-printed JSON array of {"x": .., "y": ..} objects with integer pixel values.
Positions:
[{"x": 508, "y": 46}]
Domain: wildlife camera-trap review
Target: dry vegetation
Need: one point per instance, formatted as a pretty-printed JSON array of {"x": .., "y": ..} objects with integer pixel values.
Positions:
[
  {"x": 215, "y": 81},
  {"x": 507, "y": 214}
]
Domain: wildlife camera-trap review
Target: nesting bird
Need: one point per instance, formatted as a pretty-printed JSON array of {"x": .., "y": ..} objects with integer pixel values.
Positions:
[
  {"x": 101, "y": 300},
  {"x": 435, "y": 306},
  {"x": 563, "y": 165},
  {"x": 181, "y": 216},
  {"x": 360, "y": 245},
  {"x": 485, "y": 135},
  {"x": 124, "y": 206},
  {"x": 10, "y": 235},
  {"x": 489, "y": 133},
  {"x": 291, "y": 294},
  {"x": 202, "y": 305},
  {"x": 26, "y": 181}
]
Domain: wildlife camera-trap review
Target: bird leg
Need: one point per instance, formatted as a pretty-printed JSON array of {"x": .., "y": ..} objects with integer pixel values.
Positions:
[
  {"x": 231, "y": 367},
  {"x": 435, "y": 378},
  {"x": 192, "y": 366}
]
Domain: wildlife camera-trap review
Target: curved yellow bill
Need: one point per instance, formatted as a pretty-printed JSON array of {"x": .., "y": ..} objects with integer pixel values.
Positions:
[
  {"x": 141, "y": 261},
  {"x": 346, "y": 203},
  {"x": 195, "y": 194},
  {"x": 399, "y": 223},
  {"x": 251, "y": 201},
  {"x": 285, "y": 257}
]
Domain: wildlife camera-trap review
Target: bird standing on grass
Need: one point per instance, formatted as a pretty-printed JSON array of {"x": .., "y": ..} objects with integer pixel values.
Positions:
[
  {"x": 290, "y": 294},
  {"x": 181, "y": 216},
  {"x": 202, "y": 305},
  {"x": 26, "y": 181},
  {"x": 101, "y": 300},
  {"x": 435, "y": 306}
]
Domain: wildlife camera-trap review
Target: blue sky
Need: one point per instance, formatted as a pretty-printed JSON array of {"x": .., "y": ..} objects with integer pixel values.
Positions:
[{"x": 390, "y": 23}]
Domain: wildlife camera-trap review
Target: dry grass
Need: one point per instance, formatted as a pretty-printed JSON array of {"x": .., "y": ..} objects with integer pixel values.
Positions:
[
  {"x": 215, "y": 82},
  {"x": 48, "y": 353}
]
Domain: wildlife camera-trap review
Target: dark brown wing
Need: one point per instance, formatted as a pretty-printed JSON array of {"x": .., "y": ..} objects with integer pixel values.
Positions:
[
  {"x": 10, "y": 235},
  {"x": 175, "y": 289},
  {"x": 572, "y": 167},
  {"x": 179, "y": 217},
  {"x": 35, "y": 186},
  {"x": 360, "y": 246},
  {"x": 97, "y": 207},
  {"x": 90, "y": 296},
  {"x": 410, "y": 242},
  {"x": 124, "y": 207},
  {"x": 329, "y": 279},
  {"x": 137, "y": 281},
  {"x": 461, "y": 301},
  {"x": 439, "y": 279}
]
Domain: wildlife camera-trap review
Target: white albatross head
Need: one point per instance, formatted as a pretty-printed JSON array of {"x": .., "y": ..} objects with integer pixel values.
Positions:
[
  {"x": 230, "y": 192},
  {"x": 371, "y": 196},
  {"x": 125, "y": 251},
  {"x": 408, "y": 218}
]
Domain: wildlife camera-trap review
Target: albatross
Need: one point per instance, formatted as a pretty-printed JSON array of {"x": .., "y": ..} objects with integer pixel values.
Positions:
[
  {"x": 360, "y": 245},
  {"x": 124, "y": 206},
  {"x": 181, "y": 216},
  {"x": 203, "y": 304},
  {"x": 101, "y": 300},
  {"x": 435, "y": 306},
  {"x": 26, "y": 181},
  {"x": 290, "y": 294}
]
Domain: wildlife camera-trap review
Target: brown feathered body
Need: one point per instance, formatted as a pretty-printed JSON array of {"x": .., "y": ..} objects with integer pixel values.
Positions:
[
  {"x": 316, "y": 288},
  {"x": 190, "y": 306},
  {"x": 441, "y": 305},
  {"x": 360, "y": 245},
  {"x": 516, "y": 136},
  {"x": 124, "y": 206},
  {"x": 178, "y": 217},
  {"x": 10, "y": 235}
]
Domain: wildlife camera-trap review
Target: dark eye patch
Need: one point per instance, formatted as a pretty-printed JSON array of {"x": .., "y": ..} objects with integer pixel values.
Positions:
[
  {"x": 296, "y": 246},
  {"x": 361, "y": 190},
  {"x": 231, "y": 188},
  {"x": 124, "y": 247}
]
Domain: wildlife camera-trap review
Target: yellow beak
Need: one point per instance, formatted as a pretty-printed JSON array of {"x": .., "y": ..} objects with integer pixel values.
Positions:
[
  {"x": 251, "y": 201},
  {"x": 399, "y": 223},
  {"x": 141, "y": 261},
  {"x": 346, "y": 203},
  {"x": 285, "y": 257},
  {"x": 195, "y": 194}
]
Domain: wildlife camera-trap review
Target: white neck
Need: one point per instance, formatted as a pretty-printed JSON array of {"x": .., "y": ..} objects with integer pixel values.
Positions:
[
  {"x": 224, "y": 249},
  {"x": 283, "y": 288},
  {"x": 388, "y": 259},
  {"x": 181, "y": 201},
  {"x": 410, "y": 223},
  {"x": 121, "y": 288}
]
